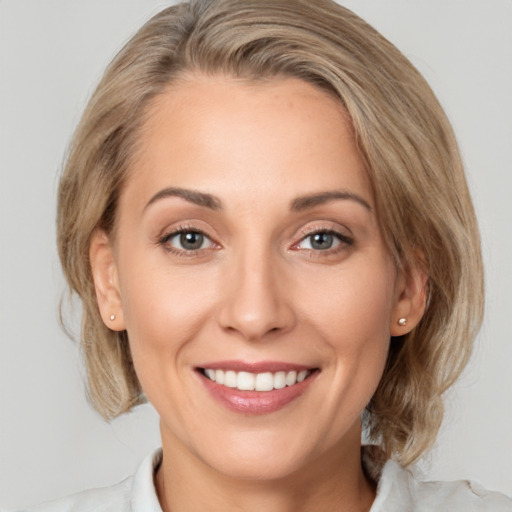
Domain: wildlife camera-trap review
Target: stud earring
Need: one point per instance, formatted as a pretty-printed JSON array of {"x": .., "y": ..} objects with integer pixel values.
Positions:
[
  {"x": 112, "y": 317},
  {"x": 402, "y": 322}
]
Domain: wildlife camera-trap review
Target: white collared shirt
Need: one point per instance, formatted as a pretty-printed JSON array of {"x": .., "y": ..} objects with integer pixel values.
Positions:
[{"x": 397, "y": 491}]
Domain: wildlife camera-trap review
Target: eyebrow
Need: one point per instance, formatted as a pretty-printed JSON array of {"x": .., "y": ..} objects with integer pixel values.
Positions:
[
  {"x": 297, "y": 205},
  {"x": 310, "y": 201},
  {"x": 192, "y": 196}
]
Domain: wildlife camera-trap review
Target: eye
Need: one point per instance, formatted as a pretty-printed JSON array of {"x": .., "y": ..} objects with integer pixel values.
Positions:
[
  {"x": 187, "y": 240},
  {"x": 319, "y": 241},
  {"x": 323, "y": 241}
]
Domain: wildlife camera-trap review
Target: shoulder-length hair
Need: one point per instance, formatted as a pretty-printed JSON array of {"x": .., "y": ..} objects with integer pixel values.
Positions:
[{"x": 407, "y": 143}]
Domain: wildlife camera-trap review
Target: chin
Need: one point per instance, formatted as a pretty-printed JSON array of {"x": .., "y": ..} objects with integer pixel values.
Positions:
[
  {"x": 258, "y": 466},
  {"x": 265, "y": 455}
]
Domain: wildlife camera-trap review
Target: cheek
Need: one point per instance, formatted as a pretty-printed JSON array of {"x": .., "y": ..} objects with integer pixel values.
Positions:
[
  {"x": 164, "y": 309},
  {"x": 355, "y": 303},
  {"x": 352, "y": 315}
]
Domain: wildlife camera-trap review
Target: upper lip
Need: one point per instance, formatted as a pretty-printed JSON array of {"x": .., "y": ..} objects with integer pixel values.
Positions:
[{"x": 255, "y": 366}]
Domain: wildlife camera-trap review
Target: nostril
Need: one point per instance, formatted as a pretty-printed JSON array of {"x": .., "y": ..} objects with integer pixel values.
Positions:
[{"x": 255, "y": 309}]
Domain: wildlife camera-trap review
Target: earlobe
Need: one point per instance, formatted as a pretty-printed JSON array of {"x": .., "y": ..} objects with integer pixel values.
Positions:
[
  {"x": 411, "y": 300},
  {"x": 106, "y": 283}
]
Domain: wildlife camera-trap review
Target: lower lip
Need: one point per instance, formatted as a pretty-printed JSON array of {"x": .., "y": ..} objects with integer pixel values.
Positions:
[{"x": 256, "y": 402}]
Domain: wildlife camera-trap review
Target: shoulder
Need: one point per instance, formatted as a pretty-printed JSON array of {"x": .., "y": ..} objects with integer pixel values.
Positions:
[
  {"x": 399, "y": 490},
  {"x": 135, "y": 493},
  {"x": 115, "y": 497}
]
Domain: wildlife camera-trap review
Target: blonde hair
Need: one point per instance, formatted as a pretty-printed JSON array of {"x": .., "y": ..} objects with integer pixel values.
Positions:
[{"x": 407, "y": 143}]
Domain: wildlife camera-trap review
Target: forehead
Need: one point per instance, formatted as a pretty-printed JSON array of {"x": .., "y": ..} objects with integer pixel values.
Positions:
[{"x": 226, "y": 135}]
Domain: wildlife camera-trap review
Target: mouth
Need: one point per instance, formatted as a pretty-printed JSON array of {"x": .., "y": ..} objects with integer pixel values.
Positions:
[
  {"x": 256, "y": 388},
  {"x": 247, "y": 381}
]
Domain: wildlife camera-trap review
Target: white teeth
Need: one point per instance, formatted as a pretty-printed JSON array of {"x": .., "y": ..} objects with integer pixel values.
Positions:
[
  {"x": 302, "y": 375},
  {"x": 230, "y": 379},
  {"x": 280, "y": 380},
  {"x": 291, "y": 378},
  {"x": 264, "y": 382},
  {"x": 245, "y": 381}
]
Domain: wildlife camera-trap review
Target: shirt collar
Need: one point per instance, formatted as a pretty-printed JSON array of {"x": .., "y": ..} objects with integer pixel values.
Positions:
[
  {"x": 386, "y": 473},
  {"x": 144, "y": 495}
]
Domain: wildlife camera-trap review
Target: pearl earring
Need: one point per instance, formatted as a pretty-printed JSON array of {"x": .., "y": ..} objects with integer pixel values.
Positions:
[
  {"x": 112, "y": 317},
  {"x": 402, "y": 322}
]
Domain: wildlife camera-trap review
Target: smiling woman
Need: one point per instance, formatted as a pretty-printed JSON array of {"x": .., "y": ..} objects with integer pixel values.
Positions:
[
  {"x": 273, "y": 283},
  {"x": 265, "y": 215}
]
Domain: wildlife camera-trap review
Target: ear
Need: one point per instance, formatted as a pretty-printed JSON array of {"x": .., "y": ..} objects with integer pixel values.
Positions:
[
  {"x": 411, "y": 299},
  {"x": 106, "y": 282}
]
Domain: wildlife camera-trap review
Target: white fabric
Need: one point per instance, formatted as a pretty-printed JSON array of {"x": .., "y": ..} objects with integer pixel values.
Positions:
[{"x": 397, "y": 491}]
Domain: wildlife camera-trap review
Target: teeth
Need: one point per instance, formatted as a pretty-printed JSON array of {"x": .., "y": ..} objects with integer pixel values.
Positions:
[
  {"x": 280, "y": 380},
  {"x": 230, "y": 379},
  {"x": 219, "y": 376},
  {"x": 302, "y": 375},
  {"x": 291, "y": 378},
  {"x": 245, "y": 381},
  {"x": 264, "y": 382}
]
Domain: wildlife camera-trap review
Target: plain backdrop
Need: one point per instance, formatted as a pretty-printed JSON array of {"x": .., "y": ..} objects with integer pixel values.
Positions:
[{"x": 52, "y": 52}]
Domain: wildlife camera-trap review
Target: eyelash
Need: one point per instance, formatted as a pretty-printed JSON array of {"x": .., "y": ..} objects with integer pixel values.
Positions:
[
  {"x": 164, "y": 241},
  {"x": 343, "y": 242}
]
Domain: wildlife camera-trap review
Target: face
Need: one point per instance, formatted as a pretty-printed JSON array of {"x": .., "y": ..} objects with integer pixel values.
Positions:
[{"x": 250, "y": 273}]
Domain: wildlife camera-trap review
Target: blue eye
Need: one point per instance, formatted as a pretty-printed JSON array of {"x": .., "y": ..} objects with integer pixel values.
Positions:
[
  {"x": 323, "y": 241},
  {"x": 187, "y": 240}
]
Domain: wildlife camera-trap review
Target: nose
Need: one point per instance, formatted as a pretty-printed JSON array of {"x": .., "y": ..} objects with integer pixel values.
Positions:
[{"x": 256, "y": 299}]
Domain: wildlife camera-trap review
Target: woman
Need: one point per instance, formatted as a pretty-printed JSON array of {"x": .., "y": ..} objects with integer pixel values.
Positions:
[{"x": 266, "y": 218}]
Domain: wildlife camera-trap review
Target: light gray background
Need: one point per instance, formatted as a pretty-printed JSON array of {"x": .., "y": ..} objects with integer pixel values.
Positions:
[{"x": 52, "y": 52}]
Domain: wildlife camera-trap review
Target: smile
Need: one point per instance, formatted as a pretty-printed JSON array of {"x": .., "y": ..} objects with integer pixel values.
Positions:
[
  {"x": 246, "y": 381},
  {"x": 256, "y": 388}
]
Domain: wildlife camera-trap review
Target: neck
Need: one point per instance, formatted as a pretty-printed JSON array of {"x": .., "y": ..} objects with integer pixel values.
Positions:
[{"x": 333, "y": 482}]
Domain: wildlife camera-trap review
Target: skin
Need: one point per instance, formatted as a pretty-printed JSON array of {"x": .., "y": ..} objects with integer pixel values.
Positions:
[{"x": 256, "y": 290}]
